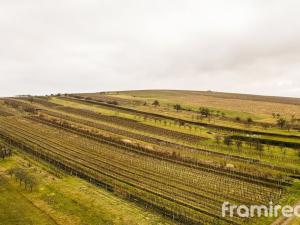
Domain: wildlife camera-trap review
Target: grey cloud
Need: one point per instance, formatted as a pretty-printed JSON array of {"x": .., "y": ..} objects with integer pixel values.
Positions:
[{"x": 70, "y": 46}]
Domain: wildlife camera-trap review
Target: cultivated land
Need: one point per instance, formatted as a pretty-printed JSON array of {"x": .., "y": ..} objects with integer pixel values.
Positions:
[{"x": 147, "y": 157}]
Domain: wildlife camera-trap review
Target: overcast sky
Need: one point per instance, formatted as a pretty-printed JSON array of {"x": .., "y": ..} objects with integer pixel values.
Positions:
[{"x": 249, "y": 46}]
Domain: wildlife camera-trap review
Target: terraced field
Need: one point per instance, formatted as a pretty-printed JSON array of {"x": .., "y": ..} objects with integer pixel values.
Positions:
[{"x": 179, "y": 167}]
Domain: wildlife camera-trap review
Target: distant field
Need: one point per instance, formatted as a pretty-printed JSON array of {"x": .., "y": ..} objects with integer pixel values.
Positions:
[{"x": 233, "y": 102}]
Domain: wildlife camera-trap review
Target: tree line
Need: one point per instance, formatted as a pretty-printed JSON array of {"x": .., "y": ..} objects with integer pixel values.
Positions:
[{"x": 24, "y": 177}]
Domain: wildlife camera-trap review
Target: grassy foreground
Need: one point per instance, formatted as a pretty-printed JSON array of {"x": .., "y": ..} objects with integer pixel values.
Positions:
[{"x": 63, "y": 199}]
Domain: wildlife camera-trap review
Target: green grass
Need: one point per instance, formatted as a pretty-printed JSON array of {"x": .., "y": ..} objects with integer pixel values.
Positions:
[
  {"x": 16, "y": 209},
  {"x": 66, "y": 199}
]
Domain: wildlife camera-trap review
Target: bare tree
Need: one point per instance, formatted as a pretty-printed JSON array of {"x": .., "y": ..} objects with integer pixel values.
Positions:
[
  {"x": 218, "y": 139},
  {"x": 177, "y": 107},
  {"x": 227, "y": 141},
  {"x": 238, "y": 144},
  {"x": 156, "y": 103},
  {"x": 281, "y": 123}
]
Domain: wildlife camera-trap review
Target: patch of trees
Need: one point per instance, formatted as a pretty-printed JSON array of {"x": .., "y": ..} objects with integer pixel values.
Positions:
[
  {"x": 218, "y": 139},
  {"x": 5, "y": 152},
  {"x": 284, "y": 123},
  {"x": 276, "y": 115},
  {"x": 265, "y": 141},
  {"x": 177, "y": 107},
  {"x": 156, "y": 103},
  {"x": 24, "y": 177},
  {"x": 238, "y": 119},
  {"x": 239, "y": 143},
  {"x": 249, "y": 120},
  {"x": 208, "y": 113},
  {"x": 227, "y": 141},
  {"x": 281, "y": 123},
  {"x": 205, "y": 112}
]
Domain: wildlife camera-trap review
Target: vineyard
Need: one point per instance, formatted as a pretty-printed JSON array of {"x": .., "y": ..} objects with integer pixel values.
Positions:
[{"x": 178, "y": 167}]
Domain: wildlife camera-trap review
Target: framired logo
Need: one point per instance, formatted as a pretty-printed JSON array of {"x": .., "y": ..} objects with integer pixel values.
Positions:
[{"x": 271, "y": 210}]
